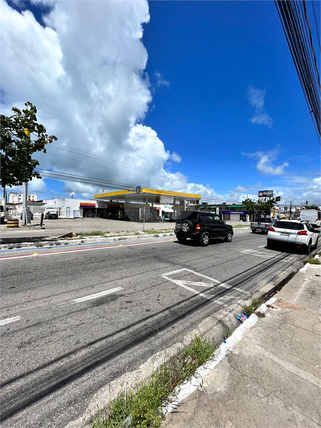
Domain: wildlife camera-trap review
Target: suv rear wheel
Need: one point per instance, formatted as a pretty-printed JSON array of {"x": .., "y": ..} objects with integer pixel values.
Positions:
[
  {"x": 204, "y": 239},
  {"x": 187, "y": 226}
]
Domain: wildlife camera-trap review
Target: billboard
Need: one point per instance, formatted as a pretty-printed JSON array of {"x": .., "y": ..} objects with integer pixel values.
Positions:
[{"x": 266, "y": 193}]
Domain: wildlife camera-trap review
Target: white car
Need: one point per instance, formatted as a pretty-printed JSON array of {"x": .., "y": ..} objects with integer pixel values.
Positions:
[{"x": 293, "y": 232}]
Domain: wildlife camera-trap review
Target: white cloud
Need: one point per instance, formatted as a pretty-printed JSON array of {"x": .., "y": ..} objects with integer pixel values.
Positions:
[
  {"x": 85, "y": 73},
  {"x": 264, "y": 164},
  {"x": 262, "y": 119},
  {"x": 160, "y": 81},
  {"x": 313, "y": 192},
  {"x": 36, "y": 186},
  {"x": 257, "y": 97},
  {"x": 175, "y": 157}
]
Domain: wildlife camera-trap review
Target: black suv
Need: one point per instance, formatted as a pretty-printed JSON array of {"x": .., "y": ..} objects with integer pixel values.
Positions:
[{"x": 203, "y": 226}]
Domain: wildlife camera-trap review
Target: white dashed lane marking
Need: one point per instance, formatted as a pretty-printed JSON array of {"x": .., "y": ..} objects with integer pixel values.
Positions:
[
  {"x": 9, "y": 320},
  {"x": 94, "y": 296}
]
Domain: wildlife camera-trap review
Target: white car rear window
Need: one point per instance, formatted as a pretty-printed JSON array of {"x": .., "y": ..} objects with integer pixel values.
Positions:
[{"x": 288, "y": 225}]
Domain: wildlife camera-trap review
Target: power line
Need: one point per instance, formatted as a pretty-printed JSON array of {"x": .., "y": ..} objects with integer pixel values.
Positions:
[
  {"x": 316, "y": 24},
  {"x": 294, "y": 20},
  {"x": 103, "y": 159},
  {"x": 85, "y": 180}
]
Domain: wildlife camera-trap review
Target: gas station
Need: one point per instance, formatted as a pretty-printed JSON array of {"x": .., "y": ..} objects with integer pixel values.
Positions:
[{"x": 144, "y": 204}]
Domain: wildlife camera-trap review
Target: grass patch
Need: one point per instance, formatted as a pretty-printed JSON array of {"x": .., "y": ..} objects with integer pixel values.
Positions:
[
  {"x": 240, "y": 226},
  {"x": 155, "y": 231},
  {"x": 95, "y": 233},
  {"x": 250, "y": 309},
  {"x": 143, "y": 408},
  {"x": 313, "y": 261},
  {"x": 228, "y": 333}
]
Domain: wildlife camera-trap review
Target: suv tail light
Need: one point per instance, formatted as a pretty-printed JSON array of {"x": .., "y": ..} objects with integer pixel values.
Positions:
[
  {"x": 302, "y": 232},
  {"x": 272, "y": 229},
  {"x": 197, "y": 227}
]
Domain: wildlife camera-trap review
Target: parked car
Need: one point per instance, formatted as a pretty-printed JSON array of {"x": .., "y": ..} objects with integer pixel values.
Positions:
[
  {"x": 51, "y": 213},
  {"x": 262, "y": 224},
  {"x": 201, "y": 226},
  {"x": 293, "y": 232}
]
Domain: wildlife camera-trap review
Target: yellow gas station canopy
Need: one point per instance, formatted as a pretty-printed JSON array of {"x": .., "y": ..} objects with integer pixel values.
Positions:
[{"x": 141, "y": 193}]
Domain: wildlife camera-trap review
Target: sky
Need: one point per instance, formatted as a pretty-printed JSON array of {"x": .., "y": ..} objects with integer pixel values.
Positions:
[{"x": 189, "y": 96}]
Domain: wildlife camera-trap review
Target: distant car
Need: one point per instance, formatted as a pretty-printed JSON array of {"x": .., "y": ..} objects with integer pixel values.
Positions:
[
  {"x": 201, "y": 226},
  {"x": 262, "y": 224},
  {"x": 51, "y": 213},
  {"x": 296, "y": 233}
]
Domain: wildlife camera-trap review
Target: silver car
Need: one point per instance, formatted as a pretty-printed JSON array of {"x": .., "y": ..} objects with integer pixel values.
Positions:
[{"x": 293, "y": 232}]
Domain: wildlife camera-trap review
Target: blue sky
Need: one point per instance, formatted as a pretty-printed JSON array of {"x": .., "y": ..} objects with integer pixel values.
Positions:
[{"x": 196, "y": 96}]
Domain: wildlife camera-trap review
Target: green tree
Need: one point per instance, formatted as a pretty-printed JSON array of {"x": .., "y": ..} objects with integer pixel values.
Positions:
[
  {"x": 250, "y": 206},
  {"x": 21, "y": 136},
  {"x": 260, "y": 207},
  {"x": 311, "y": 207},
  {"x": 265, "y": 206}
]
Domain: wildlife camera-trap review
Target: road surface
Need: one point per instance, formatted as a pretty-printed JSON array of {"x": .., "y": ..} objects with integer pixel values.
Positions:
[{"x": 74, "y": 318}]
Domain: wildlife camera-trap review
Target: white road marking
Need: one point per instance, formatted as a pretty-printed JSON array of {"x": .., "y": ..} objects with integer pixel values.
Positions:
[
  {"x": 185, "y": 284},
  {"x": 219, "y": 284},
  {"x": 95, "y": 296},
  {"x": 182, "y": 284},
  {"x": 9, "y": 320},
  {"x": 255, "y": 253},
  {"x": 198, "y": 284}
]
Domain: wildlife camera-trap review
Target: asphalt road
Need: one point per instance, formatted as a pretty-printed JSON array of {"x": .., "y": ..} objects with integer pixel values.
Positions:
[{"x": 74, "y": 318}]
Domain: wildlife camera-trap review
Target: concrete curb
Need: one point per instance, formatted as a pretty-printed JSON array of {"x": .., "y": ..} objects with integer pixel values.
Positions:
[
  {"x": 57, "y": 241},
  {"x": 80, "y": 241}
]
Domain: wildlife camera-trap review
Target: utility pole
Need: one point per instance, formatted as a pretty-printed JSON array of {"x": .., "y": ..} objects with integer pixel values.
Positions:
[
  {"x": 24, "y": 207},
  {"x": 25, "y": 188}
]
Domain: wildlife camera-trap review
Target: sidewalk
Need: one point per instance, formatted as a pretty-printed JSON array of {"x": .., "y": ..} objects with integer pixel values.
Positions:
[{"x": 272, "y": 377}]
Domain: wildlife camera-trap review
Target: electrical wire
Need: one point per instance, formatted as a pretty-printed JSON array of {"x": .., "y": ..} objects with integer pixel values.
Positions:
[
  {"x": 316, "y": 24},
  {"x": 295, "y": 23},
  {"x": 85, "y": 180}
]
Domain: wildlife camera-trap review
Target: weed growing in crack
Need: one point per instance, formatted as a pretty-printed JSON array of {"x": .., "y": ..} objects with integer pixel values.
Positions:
[{"x": 250, "y": 309}]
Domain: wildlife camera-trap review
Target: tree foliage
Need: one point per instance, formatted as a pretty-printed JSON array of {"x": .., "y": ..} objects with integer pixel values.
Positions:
[
  {"x": 311, "y": 207},
  {"x": 262, "y": 206},
  {"x": 21, "y": 136}
]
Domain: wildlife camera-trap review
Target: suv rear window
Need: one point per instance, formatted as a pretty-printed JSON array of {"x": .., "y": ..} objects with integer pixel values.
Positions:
[
  {"x": 188, "y": 215},
  {"x": 288, "y": 225}
]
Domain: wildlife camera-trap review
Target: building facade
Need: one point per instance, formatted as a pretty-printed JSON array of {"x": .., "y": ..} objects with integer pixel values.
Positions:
[{"x": 15, "y": 198}]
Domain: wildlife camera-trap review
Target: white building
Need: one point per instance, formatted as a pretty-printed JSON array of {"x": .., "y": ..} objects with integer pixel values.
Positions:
[
  {"x": 72, "y": 208},
  {"x": 15, "y": 198}
]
